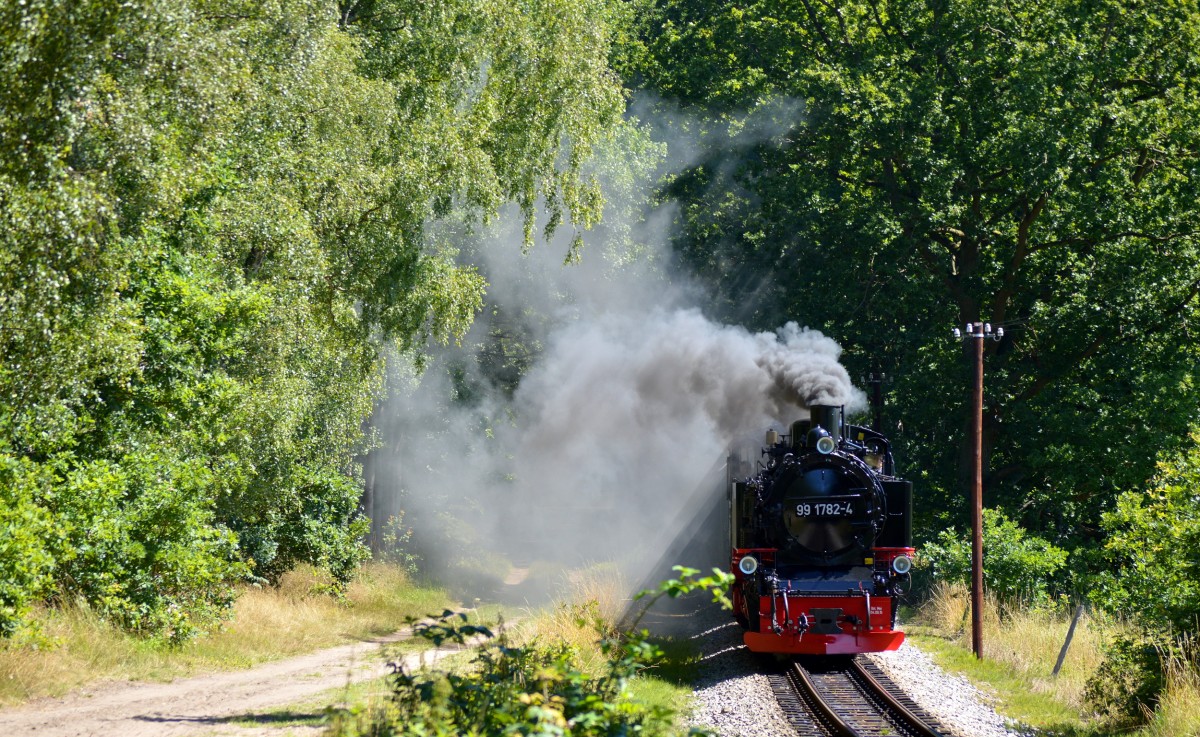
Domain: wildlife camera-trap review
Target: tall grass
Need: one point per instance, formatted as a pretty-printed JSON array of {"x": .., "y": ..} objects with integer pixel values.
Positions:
[
  {"x": 593, "y": 603},
  {"x": 76, "y": 647},
  {"x": 1025, "y": 639},
  {"x": 1178, "y": 713},
  {"x": 590, "y": 600}
]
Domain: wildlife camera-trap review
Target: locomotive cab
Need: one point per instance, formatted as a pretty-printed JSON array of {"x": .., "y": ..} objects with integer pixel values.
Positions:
[{"x": 822, "y": 540}]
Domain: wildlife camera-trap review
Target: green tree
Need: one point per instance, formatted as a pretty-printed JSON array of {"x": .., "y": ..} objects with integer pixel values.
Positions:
[
  {"x": 1152, "y": 563},
  {"x": 216, "y": 220},
  {"x": 886, "y": 170},
  {"x": 1153, "y": 547},
  {"x": 1018, "y": 567}
]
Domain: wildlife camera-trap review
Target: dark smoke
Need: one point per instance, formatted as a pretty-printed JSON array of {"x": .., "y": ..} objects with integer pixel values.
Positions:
[
  {"x": 633, "y": 398},
  {"x": 627, "y": 413}
]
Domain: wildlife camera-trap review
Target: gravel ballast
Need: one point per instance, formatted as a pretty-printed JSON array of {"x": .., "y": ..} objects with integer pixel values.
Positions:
[
  {"x": 734, "y": 698},
  {"x": 952, "y": 699}
]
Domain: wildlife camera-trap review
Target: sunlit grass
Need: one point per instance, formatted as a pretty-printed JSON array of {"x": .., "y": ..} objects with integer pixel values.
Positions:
[
  {"x": 668, "y": 695},
  {"x": 1021, "y": 645},
  {"x": 1013, "y": 694},
  {"x": 1178, "y": 712},
  {"x": 589, "y": 601},
  {"x": 1026, "y": 640},
  {"x": 314, "y": 710},
  {"x": 77, "y": 648}
]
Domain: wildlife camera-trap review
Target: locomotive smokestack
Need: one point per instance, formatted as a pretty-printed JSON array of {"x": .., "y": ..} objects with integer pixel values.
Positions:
[{"x": 828, "y": 417}]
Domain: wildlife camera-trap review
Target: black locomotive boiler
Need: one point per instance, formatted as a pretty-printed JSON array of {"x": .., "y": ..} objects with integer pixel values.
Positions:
[{"x": 821, "y": 541}]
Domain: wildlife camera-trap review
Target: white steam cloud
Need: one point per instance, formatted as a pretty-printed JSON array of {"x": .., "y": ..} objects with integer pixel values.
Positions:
[
  {"x": 633, "y": 398},
  {"x": 613, "y": 430},
  {"x": 626, "y": 414}
]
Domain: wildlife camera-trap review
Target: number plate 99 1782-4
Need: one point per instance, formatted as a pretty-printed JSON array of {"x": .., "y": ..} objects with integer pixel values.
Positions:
[{"x": 825, "y": 509}]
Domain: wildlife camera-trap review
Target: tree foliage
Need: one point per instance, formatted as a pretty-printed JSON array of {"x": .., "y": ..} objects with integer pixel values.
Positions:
[
  {"x": 887, "y": 170},
  {"x": 1153, "y": 547},
  {"x": 214, "y": 217},
  {"x": 1152, "y": 561},
  {"x": 1018, "y": 567}
]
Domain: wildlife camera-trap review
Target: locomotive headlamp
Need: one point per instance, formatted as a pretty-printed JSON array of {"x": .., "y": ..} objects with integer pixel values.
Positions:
[
  {"x": 826, "y": 445},
  {"x": 748, "y": 565},
  {"x": 902, "y": 564}
]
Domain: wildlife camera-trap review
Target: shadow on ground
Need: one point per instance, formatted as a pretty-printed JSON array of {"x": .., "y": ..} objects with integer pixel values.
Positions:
[{"x": 299, "y": 718}]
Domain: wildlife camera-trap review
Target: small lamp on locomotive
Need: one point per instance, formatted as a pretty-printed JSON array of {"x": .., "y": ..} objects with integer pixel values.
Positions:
[{"x": 821, "y": 541}]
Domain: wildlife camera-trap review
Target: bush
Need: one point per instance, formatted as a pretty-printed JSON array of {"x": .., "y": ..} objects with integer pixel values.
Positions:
[
  {"x": 1153, "y": 548},
  {"x": 532, "y": 689},
  {"x": 326, "y": 530},
  {"x": 529, "y": 689},
  {"x": 1016, "y": 566},
  {"x": 139, "y": 544},
  {"x": 1153, "y": 556},
  {"x": 1128, "y": 683},
  {"x": 26, "y": 564},
  {"x": 398, "y": 544}
]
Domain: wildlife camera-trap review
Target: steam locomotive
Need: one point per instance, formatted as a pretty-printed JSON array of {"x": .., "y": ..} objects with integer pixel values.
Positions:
[{"x": 821, "y": 541}]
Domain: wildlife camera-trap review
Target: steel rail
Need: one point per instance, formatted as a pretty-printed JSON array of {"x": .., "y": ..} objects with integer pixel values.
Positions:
[
  {"x": 811, "y": 696},
  {"x": 913, "y": 722},
  {"x": 851, "y": 702}
]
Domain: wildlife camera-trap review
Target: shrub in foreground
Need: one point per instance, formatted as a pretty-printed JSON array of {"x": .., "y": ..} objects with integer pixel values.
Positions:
[
  {"x": 1152, "y": 556},
  {"x": 26, "y": 564},
  {"x": 140, "y": 545},
  {"x": 1127, "y": 684},
  {"x": 1153, "y": 548},
  {"x": 529, "y": 689}
]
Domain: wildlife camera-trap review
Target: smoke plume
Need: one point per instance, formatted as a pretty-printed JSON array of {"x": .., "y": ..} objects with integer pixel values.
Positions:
[
  {"x": 628, "y": 399},
  {"x": 626, "y": 414}
]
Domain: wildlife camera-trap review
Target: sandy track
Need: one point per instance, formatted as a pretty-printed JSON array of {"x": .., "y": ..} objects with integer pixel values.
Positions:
[{"x": 205, "y": 704}]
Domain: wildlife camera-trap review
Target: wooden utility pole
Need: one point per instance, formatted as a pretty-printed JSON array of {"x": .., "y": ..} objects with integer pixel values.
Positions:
[
  {"x": 977, "y": 503},
  {"x": 977, "y": 331}
]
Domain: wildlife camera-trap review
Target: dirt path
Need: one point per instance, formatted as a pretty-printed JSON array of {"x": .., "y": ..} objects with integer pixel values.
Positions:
[{"x": 216, "y": 704}]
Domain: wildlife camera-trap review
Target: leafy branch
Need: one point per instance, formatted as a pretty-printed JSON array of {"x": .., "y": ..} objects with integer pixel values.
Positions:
[{"x": 717, "y": 584}]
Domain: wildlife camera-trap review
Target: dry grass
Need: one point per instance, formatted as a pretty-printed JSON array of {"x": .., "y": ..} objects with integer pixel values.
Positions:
[
  {"x": 1025, "y": 642},
  {"x": 1024, "y": 639},
  {"x": 592, "y": 599},
  {"x": 1178, "y": 712},
  {"x": 77, "y": 648},
  {"x": 602, "y": 584}
]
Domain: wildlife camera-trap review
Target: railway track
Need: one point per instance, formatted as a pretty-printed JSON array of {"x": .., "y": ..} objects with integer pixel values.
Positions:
[{"x": 848, "y": 698}]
